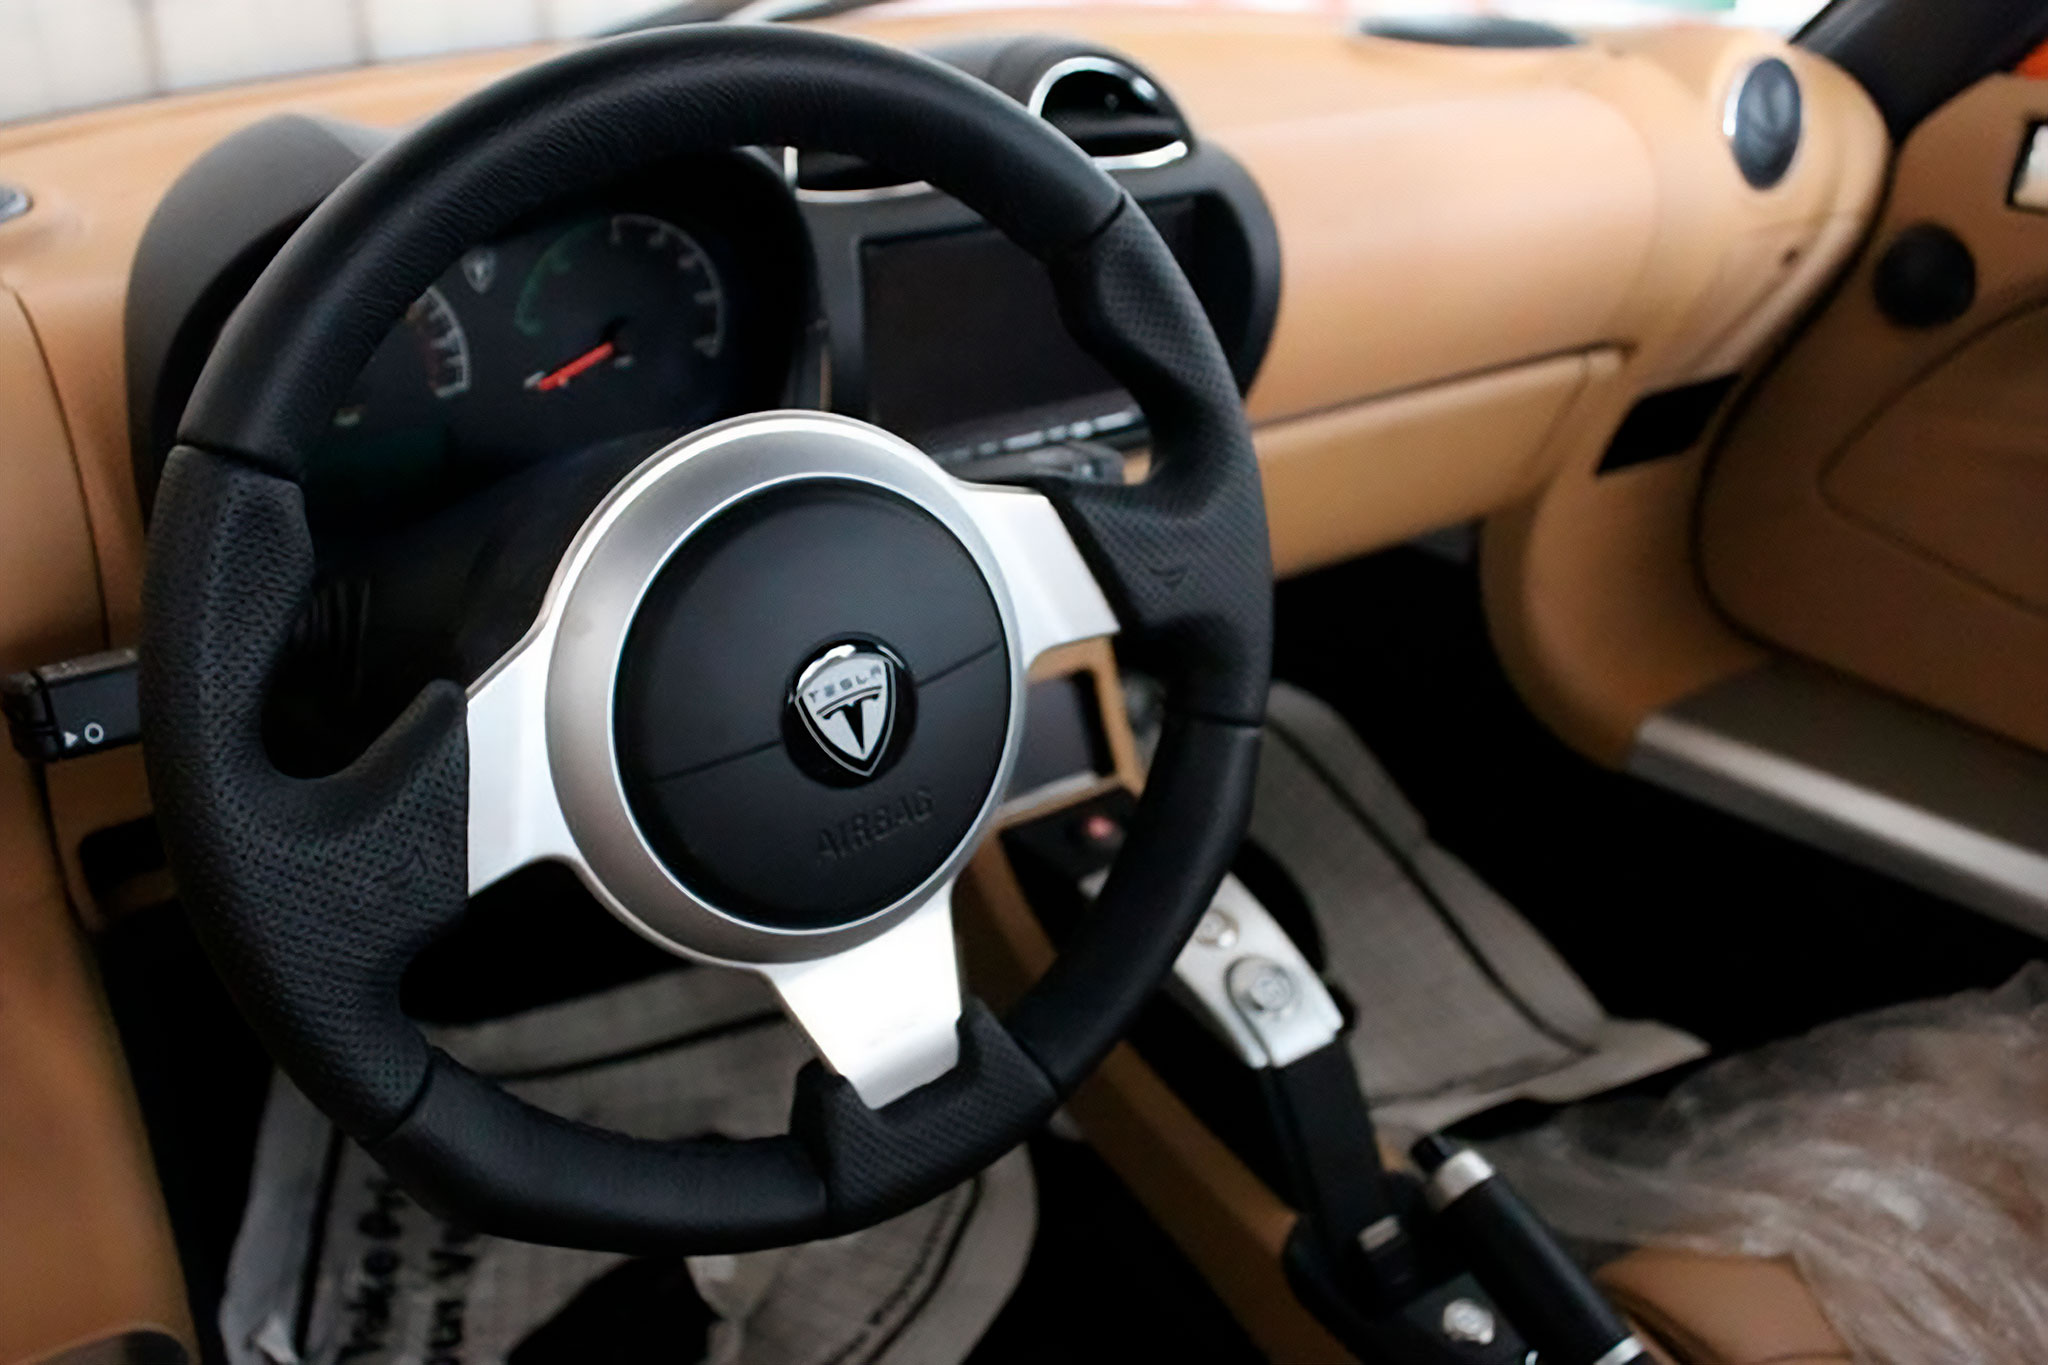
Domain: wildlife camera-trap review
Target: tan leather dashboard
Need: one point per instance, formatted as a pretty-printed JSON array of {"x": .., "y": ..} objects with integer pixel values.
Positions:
[
  {"x": 1465, "y": 215},
  {"x": 1487, "y": 257}
]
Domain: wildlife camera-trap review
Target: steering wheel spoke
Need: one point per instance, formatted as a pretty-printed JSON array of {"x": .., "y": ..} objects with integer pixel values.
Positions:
[
  {"x": 885, "y": 1014},
  {"x": 1056, "y": 596},
  {"x": 515, "y": 817}
]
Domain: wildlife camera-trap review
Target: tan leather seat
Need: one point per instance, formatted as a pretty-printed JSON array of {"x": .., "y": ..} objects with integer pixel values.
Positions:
[{"x": 1722, "y": 1310}]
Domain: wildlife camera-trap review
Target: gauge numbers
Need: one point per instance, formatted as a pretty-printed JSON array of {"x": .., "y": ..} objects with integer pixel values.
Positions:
[
  {"x": 611, "y": 290},
  {"x": 444, "y": 346}
]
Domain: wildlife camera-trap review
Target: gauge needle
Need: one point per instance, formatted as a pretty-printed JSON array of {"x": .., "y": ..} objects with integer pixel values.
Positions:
[{"x": 560, "y": 376}]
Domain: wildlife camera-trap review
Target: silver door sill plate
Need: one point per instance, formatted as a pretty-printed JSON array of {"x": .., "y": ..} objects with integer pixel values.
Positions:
[{"x": 1866, "y": 776}]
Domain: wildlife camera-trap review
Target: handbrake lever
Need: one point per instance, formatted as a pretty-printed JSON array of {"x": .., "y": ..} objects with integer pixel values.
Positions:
[
  {"x": 1515, "y": 1257},
  {"x": 1243, "y": 977}
]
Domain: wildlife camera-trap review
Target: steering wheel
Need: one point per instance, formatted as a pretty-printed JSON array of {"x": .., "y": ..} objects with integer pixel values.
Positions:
[{"x": 769, "y": 704}]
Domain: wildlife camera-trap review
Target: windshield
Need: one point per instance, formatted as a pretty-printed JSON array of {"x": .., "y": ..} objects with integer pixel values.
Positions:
[{"x": 71, "y": 54}]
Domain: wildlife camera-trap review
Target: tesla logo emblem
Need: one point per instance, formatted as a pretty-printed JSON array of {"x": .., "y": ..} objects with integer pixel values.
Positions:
[
  {"x": 847, "y": 700},
  {"x": 480, "y": 268}
]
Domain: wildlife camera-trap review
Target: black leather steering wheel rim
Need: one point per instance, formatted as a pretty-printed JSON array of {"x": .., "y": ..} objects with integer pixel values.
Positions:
[{"x": 313, "y": 895}]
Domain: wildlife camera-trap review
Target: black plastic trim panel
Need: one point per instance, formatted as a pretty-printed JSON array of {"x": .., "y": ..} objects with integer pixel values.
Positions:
[
  {"x": 1469, "y": 30},
  {"x": 214, "y": 230},
  {"x": 1240, "y": 290},
  {"x": 1666, "y": 423},
  {"x": 1913, "y": 56}
]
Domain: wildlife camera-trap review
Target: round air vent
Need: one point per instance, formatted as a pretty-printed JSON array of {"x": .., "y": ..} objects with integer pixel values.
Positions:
[
  {"x": 1762, "y": 122},
  {"x": 1111, "y": 111},
  {"x": 1107, "y": 107}
]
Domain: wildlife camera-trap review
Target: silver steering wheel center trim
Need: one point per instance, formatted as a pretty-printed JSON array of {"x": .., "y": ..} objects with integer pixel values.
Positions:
[{"x": 879, "y": 996}]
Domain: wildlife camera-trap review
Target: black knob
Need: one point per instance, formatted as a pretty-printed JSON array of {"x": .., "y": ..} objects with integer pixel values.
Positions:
[{"x": 1925, "y": 278}]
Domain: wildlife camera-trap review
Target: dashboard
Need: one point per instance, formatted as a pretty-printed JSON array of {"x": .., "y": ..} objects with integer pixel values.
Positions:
[
  {"x": 703, "y": 289},
  {"x": 1491, "y": 257},
  {"x": 1446, "y": 275}
]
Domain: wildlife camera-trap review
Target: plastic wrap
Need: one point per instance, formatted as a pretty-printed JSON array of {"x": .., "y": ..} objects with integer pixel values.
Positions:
[{"x": 1899, "y": 1158}]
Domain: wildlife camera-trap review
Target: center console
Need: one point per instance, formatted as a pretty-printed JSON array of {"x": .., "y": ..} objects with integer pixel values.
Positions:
[{"x": 1235, "y": 1113}]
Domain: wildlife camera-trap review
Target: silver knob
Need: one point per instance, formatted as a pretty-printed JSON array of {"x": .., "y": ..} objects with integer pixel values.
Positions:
[
  {"x": 1217, "y": 930},
  {"x": 1263, "y": 988},
  {"x": 1467, "y": 1321}
]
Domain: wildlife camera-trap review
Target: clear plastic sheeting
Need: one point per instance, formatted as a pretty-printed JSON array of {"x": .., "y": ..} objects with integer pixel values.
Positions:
[{"x": 1899, "y": 1158}]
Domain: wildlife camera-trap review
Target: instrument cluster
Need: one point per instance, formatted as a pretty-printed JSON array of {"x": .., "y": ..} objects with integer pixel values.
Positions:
[{"x": 667, "y": 305}]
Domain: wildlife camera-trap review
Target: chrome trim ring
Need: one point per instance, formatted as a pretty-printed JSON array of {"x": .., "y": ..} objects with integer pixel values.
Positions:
[
  {"x": 1035, "y": 102},
  {"x": 1623, "y": 1351},
  {"x": 567, "y": 795},
  {"x": 1463, "y": 1173},
  {"x": 1732, "y": 97},
  {"x": 792, "y": 162},
  {"x": 1731, "y": 101},
  {"x": 1124, "y": 71}
]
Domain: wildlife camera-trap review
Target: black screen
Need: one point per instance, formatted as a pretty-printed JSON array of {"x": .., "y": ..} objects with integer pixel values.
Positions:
[{"x": 965, "y": 342}]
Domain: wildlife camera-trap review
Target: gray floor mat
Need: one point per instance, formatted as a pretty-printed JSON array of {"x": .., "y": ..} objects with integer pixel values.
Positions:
[
  {"x": 335, "y": 1264},
  {"x": 1461, "y": 1003}
]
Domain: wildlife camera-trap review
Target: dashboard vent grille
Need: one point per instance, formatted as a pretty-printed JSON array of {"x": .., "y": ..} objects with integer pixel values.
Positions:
[
  {"x": 1111, "y": 112},
  {"x": 1107, "y": 108},
  {"x": 837, "y": 175}
]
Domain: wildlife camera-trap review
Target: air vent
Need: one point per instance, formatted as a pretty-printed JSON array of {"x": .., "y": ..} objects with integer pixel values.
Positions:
[
  {"x": 1109, "y": 109},
  {"x": 1762, "y": 122},
  {"x": 1111, "y": 112},
  {"x": 835, "y": 175}
]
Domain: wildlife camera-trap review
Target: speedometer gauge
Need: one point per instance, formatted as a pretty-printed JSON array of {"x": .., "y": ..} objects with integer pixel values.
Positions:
[
  {"x": 630, "y": 290},
  {"x": 670, "y": 300}
]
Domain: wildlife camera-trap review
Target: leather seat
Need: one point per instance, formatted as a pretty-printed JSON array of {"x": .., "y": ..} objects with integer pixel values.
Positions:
[{"x": 1722, "y": 1310}]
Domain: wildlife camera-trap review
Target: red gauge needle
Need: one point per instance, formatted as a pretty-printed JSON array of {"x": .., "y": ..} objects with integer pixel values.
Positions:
[{"x": 558, "y": 378}]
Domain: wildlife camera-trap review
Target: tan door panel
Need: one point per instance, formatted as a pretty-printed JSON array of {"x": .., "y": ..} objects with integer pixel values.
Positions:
[
  {"x": 1879, "y": 506},
  {"x": 1958, "y": 467}
]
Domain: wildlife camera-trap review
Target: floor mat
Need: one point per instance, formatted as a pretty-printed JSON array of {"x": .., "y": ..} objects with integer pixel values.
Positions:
[
  {"x": 335, "y": 1264},
  {"x": 1461, "y": 1004}
]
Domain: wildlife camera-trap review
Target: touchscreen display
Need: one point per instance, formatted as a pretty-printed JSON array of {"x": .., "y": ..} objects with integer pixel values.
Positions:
[{"x": 964, "y": 338}]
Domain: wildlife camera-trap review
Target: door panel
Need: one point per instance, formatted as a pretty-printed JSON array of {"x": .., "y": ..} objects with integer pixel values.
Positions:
[
  {"x": 1882, "y": 505},
  {"x": 1957, "y": 468}
]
